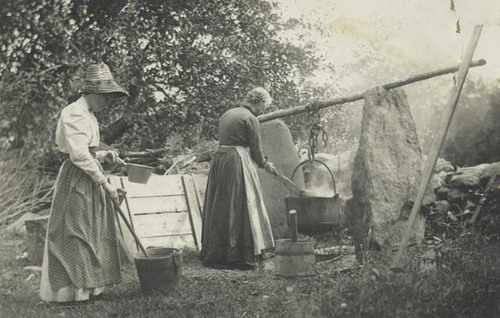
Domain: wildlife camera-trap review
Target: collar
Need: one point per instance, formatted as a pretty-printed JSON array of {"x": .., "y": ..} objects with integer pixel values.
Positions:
[
  {"x": 85, "y": 105},
  {"x": 247, "y": 107}
]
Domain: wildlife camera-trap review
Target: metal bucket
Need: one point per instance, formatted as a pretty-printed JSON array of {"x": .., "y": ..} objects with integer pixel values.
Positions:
[
  {"x": 316, "y": 215},
  {"x": 138, "y": 173},
  {"x": 162, "y": 272}
]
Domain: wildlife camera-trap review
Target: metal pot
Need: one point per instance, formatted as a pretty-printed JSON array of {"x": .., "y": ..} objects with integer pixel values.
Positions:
[{"x": 315, "y": 215}]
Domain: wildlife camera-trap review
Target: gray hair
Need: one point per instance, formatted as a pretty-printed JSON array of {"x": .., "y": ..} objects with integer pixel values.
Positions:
[{"x": 258, "y": 96}]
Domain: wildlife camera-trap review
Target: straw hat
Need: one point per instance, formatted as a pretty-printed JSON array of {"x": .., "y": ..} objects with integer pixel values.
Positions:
[{"x": 99, "y": 79}]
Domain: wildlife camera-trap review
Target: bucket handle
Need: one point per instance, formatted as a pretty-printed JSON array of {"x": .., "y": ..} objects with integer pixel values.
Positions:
[
  {"x": 330, "y": 171},
  {"x": 175, "y": 253}
]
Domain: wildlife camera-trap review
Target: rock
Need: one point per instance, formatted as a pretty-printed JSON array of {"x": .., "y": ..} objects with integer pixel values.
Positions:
[
  {"x": 442, "y": 193},
  {"x": 443, "y": 165},
  {"x": 470, "y": 177},
  {"x": 442, "y": 206},
  {"x": 455, "y": 196},
  {"x": 436, "y": 182},
  {"x": 278, "y": 146},
  {"x": 387, "y": 166},
  {"x": 445, "y": 176}
]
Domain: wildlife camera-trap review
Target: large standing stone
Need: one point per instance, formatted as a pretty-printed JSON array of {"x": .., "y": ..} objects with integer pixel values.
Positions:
[
  {"x": 278, "y": 146},
  {"x": 387, "y": 167}
]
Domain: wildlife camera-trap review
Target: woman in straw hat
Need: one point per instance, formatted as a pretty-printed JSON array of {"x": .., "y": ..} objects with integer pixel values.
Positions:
[{"x": 81, "y": 252}]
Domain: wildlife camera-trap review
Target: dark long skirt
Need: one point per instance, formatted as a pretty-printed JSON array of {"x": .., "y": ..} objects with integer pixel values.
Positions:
[
  {"x": 226, "y": 234},
  {"x": 82, "y": 241}
]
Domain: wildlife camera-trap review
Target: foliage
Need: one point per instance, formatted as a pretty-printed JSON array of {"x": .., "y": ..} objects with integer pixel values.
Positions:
[
  {"x": 184, "y": 63},
  {"x": 474, "y": 134}
]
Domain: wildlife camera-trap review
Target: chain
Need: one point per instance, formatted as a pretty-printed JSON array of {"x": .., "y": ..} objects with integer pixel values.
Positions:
[{"x": 315, "y": 130}]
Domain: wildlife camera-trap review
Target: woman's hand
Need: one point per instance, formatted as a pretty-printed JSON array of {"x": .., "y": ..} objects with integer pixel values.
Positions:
[
  {"x": 269, "y": 167},
  {"x": 111, "y": 190},
  {"x": 110, "y": 156}
]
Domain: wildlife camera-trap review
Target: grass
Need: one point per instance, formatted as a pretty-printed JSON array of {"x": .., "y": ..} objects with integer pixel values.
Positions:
[{"x": 465, "y": 282}]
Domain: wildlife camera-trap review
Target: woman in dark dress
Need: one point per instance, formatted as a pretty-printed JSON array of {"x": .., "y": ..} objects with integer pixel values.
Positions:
[{"x": 236, "y": 228}]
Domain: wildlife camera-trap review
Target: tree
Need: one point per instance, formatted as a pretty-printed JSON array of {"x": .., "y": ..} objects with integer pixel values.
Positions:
[
  {"x": 184, "y": 63},
  {"x": 474, "y": 134}
]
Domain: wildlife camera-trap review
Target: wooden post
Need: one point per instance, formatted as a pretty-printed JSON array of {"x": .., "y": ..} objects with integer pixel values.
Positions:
[
  {"x": 342, "y": 100},
  {"x": 439, "y": 140},
  {"x": 36, "y": 230},
  {"x": 194, "y": 209},
  {"x": 293, "y": 224}
]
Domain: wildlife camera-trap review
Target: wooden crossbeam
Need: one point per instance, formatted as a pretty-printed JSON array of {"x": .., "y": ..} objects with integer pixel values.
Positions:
[{"x": 342, "y": 100}]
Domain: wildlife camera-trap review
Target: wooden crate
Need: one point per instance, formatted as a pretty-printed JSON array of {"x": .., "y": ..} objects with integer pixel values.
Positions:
[{"x": 164, "y": 212}]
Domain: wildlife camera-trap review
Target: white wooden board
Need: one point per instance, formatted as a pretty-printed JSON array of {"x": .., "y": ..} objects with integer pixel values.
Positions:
[
  {"x": 159, "y": 210},
  {"x": 178, "y": 241},
  {"x": 157, "y": 185},
  {"x": 149, "y": 225},
  {"x": 146, "y": 205}
]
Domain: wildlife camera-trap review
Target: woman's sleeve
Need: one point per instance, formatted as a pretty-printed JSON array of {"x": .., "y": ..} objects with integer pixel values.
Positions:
[
  {"x": 77, "y": 133},
  {"x": 255, "y": 142}
]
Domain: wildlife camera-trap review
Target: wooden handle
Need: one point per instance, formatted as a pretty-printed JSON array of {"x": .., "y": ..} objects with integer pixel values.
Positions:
[
  {"x": 289, "y": 184},
  {"x": 120, "y": 212},
  {"x": 293, "y": 224}
]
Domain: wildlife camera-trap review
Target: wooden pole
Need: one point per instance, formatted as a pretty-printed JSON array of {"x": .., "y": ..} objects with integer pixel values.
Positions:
[
  {"x": 124, "y": 218},
  {"x": 439, "y": 140},
  {"x": 342, "y": 100},
  {"x": 293, "y": 225}
]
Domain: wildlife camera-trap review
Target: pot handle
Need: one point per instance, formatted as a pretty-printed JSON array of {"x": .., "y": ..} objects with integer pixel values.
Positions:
[{"x": 330, "y": 171}]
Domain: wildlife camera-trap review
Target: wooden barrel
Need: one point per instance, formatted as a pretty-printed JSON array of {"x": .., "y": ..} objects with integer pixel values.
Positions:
[{"x": 294, "y": 259}]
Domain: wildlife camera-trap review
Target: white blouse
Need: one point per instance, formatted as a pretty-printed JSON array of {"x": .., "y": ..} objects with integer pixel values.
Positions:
[{"x": 77, "y": 130}]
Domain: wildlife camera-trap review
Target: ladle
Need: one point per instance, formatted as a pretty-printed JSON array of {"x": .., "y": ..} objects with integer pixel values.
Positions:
[
  {"x": 293, "y": 187},
  {"x": 289, "y": 184}
]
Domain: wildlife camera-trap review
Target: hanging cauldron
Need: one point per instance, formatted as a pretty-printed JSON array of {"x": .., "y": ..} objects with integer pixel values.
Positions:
[{"x": 315, "y": 214}]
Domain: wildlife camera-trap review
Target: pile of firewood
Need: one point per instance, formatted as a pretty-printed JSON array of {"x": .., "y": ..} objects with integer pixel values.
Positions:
[
  {"x": 157, "y": 159},
  {"x": 465, "y": 197},
  {"x": 160, "y": 160}
]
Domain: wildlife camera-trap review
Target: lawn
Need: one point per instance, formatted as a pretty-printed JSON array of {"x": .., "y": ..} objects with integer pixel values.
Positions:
[{"x": 462, "y": 281}]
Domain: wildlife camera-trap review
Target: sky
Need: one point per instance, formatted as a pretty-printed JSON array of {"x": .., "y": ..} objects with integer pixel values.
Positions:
[{"x": 404, "y": 37}]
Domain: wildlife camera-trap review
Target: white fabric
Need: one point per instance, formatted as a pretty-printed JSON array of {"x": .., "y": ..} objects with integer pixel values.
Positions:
[
  {"x": 77, "y": 130},
  {"x": 259, "y": 220}
]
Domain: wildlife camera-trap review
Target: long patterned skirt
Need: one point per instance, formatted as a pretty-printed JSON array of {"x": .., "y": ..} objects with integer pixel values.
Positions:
[
  {"x": 81, "y": 254},
  {"x": 236, "y": 227}
]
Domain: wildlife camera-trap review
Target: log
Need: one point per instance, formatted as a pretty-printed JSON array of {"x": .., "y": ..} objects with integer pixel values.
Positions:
[
  {"x": 438, "y": 141},
  {"x": 148, "y": 153},
  {"x": 342, "y": 100}
]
